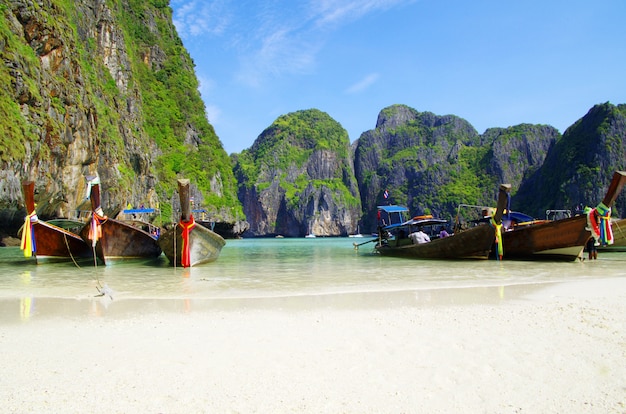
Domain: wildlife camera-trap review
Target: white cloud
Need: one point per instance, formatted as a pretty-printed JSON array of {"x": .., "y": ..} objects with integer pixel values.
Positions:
[
  {"x": 363, "y": 84},
  {"x": 213, "y": 113},
  {"x": 274, "y": 37},
  {"x": 196, "y": 18},
  {"x": 205, "y": 85},
  {"x": 337, "y": 12}
]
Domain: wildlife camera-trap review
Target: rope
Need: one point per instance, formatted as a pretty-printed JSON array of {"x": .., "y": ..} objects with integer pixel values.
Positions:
[
  {"x": 67, "y": 245},
  {"x": 101, "y": 290}
]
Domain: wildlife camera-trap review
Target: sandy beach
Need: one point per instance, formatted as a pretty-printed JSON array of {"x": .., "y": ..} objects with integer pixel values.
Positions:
[{"x": 551, "y": 348}]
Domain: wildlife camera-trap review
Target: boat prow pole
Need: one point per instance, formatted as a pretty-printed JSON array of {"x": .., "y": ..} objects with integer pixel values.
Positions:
[
  {"x": 503, "y": 195},
  {"x": 618, "y": 181},
  {"x": 503, "y": 192},
  {"x": 356, "y": 246}
]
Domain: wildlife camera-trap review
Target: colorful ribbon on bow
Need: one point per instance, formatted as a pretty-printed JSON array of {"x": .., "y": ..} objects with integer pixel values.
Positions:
[
  {"x": 186, "y": 226},
  {"x": 599, "y": 223},
  {"x": 606, "y": 234},
  {"x": 499, "y": 245},
  {"x": 95, "y": 229},
  {"x": 28, "y": 235}
]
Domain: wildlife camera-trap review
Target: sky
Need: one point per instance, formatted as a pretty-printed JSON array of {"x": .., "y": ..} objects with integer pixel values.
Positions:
[{"x": 493, "y": 63}]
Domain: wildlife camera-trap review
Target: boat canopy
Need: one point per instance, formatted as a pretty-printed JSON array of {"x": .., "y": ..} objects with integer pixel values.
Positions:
[
  {"x": 393, "y": 209},
  {"x": 518, "y": 217},
  {"x": 396, "y": 219},
  {"x": 393, "y": 217},
  {"x": 424, "y": 222},
  {"x": 138, "y": 210}
]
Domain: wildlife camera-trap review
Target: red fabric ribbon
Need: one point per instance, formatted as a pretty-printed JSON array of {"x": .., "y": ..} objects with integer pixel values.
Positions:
[
  {"x": 95, "y": 230},
  {"x": 186, "y": 226}
]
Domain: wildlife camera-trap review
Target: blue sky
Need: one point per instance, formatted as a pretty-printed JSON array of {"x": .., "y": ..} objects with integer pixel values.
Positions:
[{"x": 494, "y": 63}]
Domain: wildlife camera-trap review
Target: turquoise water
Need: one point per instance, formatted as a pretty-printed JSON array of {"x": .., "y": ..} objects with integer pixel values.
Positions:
[{"x": 262, "y": 268}]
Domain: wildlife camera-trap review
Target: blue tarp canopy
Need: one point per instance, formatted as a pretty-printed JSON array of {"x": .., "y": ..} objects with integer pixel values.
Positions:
[
  {"x": 395, "y": 215},
  {"x": 138, "y": 210},
  {"x": 518, "y": 217},
  {"x": 425, "y": 222},
  {"x": 393, "y": 209}
]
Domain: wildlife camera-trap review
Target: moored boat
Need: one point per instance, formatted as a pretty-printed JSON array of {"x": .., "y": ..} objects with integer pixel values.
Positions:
[
  {"x": 563, "y": 239},
  {"x": 401, "y": 238},
  {"x": 114, "y": 239},
  {"x": 189, "y": 244},
  {"x": 46, "y": 241},
  {"x": 357, "y": 234}
]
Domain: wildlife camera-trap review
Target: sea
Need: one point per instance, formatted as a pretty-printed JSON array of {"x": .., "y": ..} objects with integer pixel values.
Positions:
[{"x": 257, "y": 270}]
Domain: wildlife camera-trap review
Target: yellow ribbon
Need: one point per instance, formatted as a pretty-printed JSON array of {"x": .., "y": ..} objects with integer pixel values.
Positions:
[
  {"x": 28, "y": 239},
  {"x": 498, "y": 238}
]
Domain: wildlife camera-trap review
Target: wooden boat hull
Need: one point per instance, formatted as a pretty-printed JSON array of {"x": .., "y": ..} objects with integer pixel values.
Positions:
[
  {"x": 117, "y": 239},
  {"x": 204, "y": 245},
  {"x": 51, "y": 242},
  {"x": 474, "y": 243},
  {"x": 120, "y": 240},
  {"x": 56, "y": 244},
  {"x": 560, "y": 240}
]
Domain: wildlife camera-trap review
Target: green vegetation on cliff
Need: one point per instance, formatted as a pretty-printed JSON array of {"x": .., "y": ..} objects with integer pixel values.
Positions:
[
  {"x": 580, "y": 166},
  {"x": 115, "y": 77},
  {"x": 287, "y": 145},
  {"x": 173, "y": 109},
  {"x": 427, "y": 162},
  {"x": 15, "y": 129},
  {"x": 301, "y": 160}
]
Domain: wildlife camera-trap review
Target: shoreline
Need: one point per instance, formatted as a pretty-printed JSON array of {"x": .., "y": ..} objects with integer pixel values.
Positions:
[
  {"x": 118, "y": 304},
  {"x": 555, "y": 347},
  {"x": 25, "y": 309}
]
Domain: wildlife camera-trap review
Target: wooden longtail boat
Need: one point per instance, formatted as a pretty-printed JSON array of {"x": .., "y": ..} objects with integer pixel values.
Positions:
[
  {"x": 562, "y": 239},
  {"x": 472, "y": 243},
  {"x": 46, "y": 241},
  {"x": 113, "y": 239},
  {"x": 189, "y": 244}
]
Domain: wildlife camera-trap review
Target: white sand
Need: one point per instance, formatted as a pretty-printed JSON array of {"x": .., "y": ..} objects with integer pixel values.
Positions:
[{"x": 529, "y": 349}]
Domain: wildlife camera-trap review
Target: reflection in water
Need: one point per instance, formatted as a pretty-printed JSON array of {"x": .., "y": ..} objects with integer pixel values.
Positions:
[
  {"x": 99, "y": 305},
  {"x": 26, "y": 306},
  {"x": 26, "y": 277}
]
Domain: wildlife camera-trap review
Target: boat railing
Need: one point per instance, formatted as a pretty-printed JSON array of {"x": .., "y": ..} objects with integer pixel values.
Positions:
[
  {"x": 471, "y": 215},
  {"x": 558, "y": 214},
  {"x": 79, "y": 215}
]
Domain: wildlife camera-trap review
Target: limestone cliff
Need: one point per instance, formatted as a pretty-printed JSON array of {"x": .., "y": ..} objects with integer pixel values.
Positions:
[
  {"x": 518, "y": 151},
  {"x": 98, "y": 87},
  {"x": 578, "y": 168},
  {"x": 297, "y": 178},
  {"x": 433, "y": 163},
  {"x": 422, "y": 160}
]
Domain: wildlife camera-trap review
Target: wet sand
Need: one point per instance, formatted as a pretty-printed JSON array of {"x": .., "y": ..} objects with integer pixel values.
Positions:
[{"x": 550, "y": 348}]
